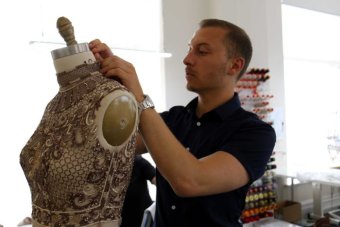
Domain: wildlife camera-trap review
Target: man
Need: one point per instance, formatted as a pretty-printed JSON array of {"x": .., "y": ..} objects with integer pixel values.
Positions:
[{"x": 207, "y": 153}]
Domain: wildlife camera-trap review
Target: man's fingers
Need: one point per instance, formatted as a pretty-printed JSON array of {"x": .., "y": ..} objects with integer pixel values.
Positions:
[
  {"x": 115, "y": 62},
  {"x": 98, "y": 57},
  {"x": 100, "y": 49}
]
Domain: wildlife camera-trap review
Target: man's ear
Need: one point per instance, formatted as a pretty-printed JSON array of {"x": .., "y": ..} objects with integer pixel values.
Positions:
[{"x": 236, "y": 65}]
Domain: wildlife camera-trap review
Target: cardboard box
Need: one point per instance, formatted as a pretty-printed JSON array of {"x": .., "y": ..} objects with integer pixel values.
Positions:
[{"x": 289, "y": 211}]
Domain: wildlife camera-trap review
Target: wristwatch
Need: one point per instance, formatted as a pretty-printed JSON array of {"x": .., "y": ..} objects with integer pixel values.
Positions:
[{"x": 145, "y": 104}]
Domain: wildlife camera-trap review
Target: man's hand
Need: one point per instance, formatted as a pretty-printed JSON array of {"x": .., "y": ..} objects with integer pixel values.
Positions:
[
  {"x": 117, "y": 68},
  {"x": 100, "y": 50}
]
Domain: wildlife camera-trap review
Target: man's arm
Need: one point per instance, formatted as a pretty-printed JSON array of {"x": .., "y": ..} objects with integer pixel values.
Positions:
[
  {"x": 187, "y": 175},
  {"x": 140, "y": 146}
]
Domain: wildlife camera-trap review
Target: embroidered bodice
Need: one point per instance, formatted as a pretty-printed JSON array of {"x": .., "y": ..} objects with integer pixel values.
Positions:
[{"x": 79, "y": 160}]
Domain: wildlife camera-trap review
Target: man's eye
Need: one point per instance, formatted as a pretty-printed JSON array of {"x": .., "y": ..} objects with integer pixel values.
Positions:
[{"x": 202, "y": 52}]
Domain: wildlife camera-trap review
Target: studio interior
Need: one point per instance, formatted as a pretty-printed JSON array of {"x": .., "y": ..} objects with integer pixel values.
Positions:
[{"x": 291, "y": 83}]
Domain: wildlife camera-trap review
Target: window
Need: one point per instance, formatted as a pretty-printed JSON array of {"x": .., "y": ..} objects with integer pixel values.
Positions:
[
  {"x": 312, "y": 76},
  {"x": 132, "y": 27}
]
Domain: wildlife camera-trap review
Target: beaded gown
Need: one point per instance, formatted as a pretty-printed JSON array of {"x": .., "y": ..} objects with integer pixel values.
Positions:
[{"x": 79, "y": 160}]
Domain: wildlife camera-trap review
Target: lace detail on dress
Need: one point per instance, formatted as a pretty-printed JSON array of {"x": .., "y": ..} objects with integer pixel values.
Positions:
[
  {"x": 74, "y": 179},
  {"x": 81, "y": 71}
]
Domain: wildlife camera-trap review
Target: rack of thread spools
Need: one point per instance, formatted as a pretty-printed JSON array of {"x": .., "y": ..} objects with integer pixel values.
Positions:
[{"x": 254, "y": 95}]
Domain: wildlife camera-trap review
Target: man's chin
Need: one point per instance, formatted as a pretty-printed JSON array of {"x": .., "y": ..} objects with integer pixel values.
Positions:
[{"x": 190, "y": 88}]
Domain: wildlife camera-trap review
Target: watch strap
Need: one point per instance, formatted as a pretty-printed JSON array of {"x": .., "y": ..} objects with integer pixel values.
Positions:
[{"x": 145, "y": 104}]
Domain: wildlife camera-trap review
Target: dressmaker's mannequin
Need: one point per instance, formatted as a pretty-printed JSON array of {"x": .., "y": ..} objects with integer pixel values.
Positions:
[
  {"x": 66, "y": 59},
  {"x": 78, "y": 162}
]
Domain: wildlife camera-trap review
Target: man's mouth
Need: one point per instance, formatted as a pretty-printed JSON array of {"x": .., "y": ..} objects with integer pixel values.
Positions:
[{"x": 189, "y": 72}]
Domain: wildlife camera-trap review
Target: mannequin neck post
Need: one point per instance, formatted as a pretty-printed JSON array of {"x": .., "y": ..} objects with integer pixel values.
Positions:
[{"x": 68, "y": 58}]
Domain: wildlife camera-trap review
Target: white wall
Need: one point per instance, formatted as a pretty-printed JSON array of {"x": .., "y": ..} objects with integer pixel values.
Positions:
[
  {"x": 180, "y": 21},
  {"x": 262, "y": 21}
]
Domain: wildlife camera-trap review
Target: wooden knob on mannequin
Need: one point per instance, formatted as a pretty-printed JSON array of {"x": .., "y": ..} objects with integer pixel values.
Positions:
[{"x": 66, "y": 30}]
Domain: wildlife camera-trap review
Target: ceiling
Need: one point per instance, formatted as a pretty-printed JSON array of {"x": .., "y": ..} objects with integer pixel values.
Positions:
[{"x": 325, "y": 6}]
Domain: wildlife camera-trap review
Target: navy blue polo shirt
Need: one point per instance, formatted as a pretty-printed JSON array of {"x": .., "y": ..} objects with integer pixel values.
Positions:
[{"x": 227, "y": 128}]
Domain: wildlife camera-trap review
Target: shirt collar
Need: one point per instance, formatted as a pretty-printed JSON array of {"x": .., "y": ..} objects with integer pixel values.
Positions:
[{"x": 223, "y": 111}]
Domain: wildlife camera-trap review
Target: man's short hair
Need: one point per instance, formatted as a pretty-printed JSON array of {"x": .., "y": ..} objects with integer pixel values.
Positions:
[{"x": 237, "y": 41}]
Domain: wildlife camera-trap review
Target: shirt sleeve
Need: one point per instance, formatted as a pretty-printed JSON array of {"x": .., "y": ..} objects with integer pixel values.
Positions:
[{"x": 252, "y": 145}]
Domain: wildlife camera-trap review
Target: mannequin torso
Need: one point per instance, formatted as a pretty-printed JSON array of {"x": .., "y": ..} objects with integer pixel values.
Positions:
[{"x": 79, "y": 160}]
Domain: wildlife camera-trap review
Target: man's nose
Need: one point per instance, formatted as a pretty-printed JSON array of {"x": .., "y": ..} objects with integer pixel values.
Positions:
[{"x": 188, "y": 59}]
